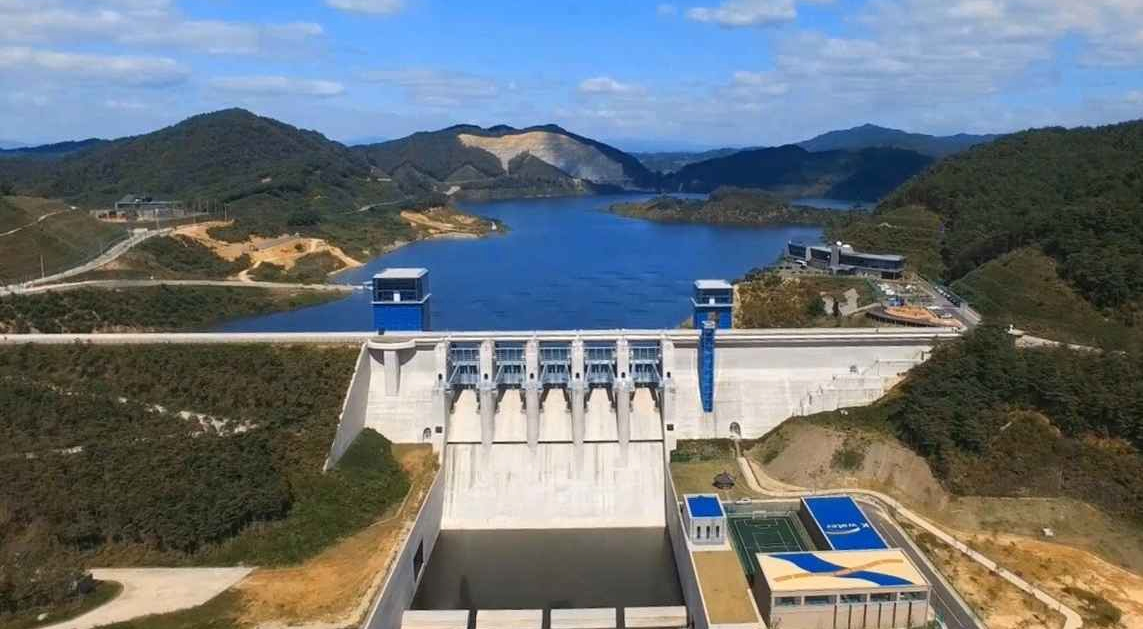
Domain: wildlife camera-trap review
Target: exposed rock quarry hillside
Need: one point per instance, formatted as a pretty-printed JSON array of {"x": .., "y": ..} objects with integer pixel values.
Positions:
[
  {"x": 570, "y": 156},
  {"x": 473, "y": 162}
]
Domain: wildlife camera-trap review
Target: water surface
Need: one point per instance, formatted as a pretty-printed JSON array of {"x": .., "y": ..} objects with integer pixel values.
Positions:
[
  {"x": 544, "y": 569},
  {"x": 565, "y": 263}
]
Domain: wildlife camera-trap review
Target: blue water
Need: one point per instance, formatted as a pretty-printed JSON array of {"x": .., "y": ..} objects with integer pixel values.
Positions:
[
  {"x": 833, "y": 204},
  {"x": 564, "y": 264}
]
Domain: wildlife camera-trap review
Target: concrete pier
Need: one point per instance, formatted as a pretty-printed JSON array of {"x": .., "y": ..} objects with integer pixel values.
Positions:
[
  {"x": 532, "y": 408},
  {"x": 622, "y": 391}
]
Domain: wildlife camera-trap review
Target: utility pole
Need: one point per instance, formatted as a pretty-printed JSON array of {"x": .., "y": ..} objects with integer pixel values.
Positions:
[{"x": 43, "y": 274}]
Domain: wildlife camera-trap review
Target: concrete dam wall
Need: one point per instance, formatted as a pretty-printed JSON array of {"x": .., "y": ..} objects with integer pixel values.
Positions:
[
  {"x": 570, "y": 429},
  {"x": 510, "y": 486}
]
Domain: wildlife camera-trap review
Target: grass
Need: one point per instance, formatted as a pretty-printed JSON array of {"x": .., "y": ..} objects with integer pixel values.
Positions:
[
  {"x": 695, "y": 464},
  {"x": 103, "y": 593},
  {"x": 220, "y": 612},
  {"x": 63, "y": 241},
  {"x": 1024, "y": 289}
]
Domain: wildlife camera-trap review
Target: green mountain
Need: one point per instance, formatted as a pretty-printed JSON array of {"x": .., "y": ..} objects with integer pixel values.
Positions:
[
  {"x": 864, "y": 175},
  {"x": 873, "y": 136},
  {"x": 1066, "y": 204},
  {"x": 230, "y": 156},
  {"x": 502, "y": 161}
]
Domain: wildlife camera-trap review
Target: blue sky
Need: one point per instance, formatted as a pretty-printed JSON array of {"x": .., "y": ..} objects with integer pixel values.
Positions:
[{"x": 698, "y": 73}]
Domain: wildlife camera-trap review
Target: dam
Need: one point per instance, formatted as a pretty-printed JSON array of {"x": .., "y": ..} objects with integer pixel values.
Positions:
[
  {"x": 543, "y": 433},
  {"x": 554, "y": 504}
]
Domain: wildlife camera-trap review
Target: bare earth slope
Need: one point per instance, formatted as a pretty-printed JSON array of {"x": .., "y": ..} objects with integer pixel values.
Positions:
[{"x": 573, "y": 157}]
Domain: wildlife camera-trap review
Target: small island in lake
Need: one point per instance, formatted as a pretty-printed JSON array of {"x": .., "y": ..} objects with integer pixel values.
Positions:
[{"x": 727, "y": 206}]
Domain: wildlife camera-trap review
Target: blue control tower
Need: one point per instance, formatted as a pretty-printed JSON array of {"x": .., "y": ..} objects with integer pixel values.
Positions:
[
  {"x": 713, "y": 301},
  {"x": 401, "y": 300}
]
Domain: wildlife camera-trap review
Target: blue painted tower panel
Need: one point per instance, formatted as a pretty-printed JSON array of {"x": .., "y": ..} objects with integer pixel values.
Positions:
[
  {"x": 401, "y": 300},
  {"x": 713, "y": 300},
  {"x": 723, "y": 316},
  {"x": 706, "y": 367},
  {"x": 401, "y": 317}
]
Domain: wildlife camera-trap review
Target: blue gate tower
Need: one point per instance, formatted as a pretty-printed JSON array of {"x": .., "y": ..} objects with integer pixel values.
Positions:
[
  {"x": 713, "y": 301},
  {"x": 401, "y": 300}
]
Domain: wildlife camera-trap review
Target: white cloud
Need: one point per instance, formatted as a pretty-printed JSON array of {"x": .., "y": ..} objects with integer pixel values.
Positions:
[
  {"x": 438, "y": 88},
  {"x": 667, "y": 9},
  {"x": 738, "y": 13},
  {"x": 155, "y": 24},
  {"x": 109, "y": 69},
  {"x": 758, "y": 84},
  {"x": 373, "y": 7},
  {"x": 607, "y": 86},
  {"x": 1135, "y": 97},
  {"x": 277, "y": 86}
]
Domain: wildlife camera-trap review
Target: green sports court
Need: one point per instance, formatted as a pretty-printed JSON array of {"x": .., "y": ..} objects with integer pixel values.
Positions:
[{"x": 765, "y": 532}]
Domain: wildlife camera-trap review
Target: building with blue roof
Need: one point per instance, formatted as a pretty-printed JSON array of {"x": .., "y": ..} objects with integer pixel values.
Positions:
[
  {"x": 837, "y": 523},
  {"x": 705, "y": 519}
]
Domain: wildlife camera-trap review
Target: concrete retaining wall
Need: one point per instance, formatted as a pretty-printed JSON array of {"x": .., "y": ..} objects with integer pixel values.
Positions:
[
  {"x": 352, "y": 419},
  {"x": 401, "y": 584},
  {"x": 688, "y": 576},
  {"x": 511, "y": 487},
  {"x": 757, "y": 386}
]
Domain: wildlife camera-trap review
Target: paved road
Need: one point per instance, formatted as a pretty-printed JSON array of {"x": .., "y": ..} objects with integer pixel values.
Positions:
[
  {"x": 149, "y": 591},
  {"x": 110, "y": 255},
  {"x": 945, "y": 603},
  {"x": 336, "y": 288},
  {"x": 33, "y": 223}
]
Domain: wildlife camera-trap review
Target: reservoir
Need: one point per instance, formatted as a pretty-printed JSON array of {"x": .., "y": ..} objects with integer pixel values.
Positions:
[
  {"x": 545, "y": 569},
  {"x": 564, "y": 263}
]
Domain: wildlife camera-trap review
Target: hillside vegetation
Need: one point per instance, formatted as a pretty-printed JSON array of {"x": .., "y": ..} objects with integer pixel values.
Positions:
[
  {"x": 726, "y": 206},
  {"x": 60, "y": 241},
  {"x": 864, "y": 175},
  {"x": 145, "y": 309},
  {"x": 994, "y": 420},
  {"x": 272, "y": 178},
  {"x": 230, "y": 440},
  {"x": 1077, "y": 195}
]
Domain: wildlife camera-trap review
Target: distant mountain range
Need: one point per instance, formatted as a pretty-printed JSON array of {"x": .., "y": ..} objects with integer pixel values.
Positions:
[
  {"x": 855, "y": 139},
  {"x": 502, "y": 161},
  {"x": 248, "y": 161},
  {"x": 672, "y": 161},
  {"x": 51, "y": 151},
  {"x": 11, "y": 144},
  {"x": 792, "y": 171},
  {"x": 873, "y": 136}
]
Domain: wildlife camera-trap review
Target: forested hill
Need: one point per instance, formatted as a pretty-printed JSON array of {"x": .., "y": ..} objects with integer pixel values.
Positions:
[
  {"x": 1071, "y": 201},
  {"x": 225, "y": 156},
  {"x": 726, "y": 206},
  {"x": 503, "y": 161},
  {"x": 864, "y": 175},
  {"x": 871, "y": 136}
]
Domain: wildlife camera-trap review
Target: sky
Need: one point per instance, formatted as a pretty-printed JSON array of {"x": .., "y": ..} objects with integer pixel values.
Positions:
[{"x": 642, "y": 75}]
